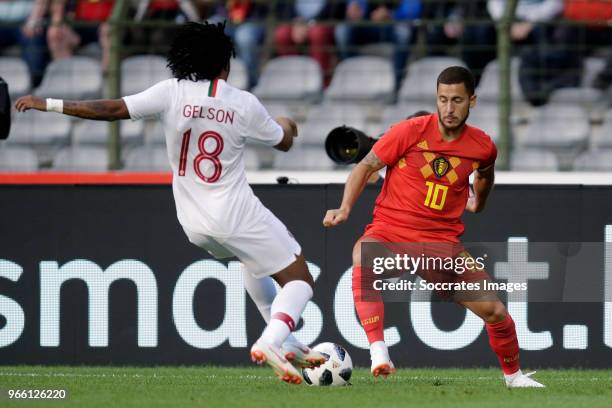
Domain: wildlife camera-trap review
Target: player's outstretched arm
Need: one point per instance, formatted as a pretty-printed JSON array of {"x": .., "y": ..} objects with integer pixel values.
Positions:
[
  {"x": 354, "y": 187},
  {"x": 102, "y": 109},
  {"x": 483, "y": 183},
  {"x": 289, "y": 132}
]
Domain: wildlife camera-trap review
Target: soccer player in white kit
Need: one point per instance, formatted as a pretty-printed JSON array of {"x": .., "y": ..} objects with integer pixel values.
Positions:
[{"x": 206, "y": 124}]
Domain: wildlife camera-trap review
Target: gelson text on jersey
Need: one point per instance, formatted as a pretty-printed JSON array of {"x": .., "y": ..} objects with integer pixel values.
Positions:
[{"x": 204, "y": 112}]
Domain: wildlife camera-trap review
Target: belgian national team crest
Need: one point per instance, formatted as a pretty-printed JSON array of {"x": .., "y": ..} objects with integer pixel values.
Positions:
[{"x": 440, "y": 166}]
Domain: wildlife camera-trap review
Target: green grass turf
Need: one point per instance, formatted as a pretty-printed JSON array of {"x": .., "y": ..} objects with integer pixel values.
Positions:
[{"x": 111, "y": 387}]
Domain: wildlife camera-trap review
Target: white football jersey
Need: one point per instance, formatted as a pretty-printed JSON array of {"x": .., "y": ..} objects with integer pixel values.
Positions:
[{"x": 206, "y": 125}]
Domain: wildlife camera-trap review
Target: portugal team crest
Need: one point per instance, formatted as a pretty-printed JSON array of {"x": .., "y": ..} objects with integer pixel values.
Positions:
[{"x": 440, "y": 166}]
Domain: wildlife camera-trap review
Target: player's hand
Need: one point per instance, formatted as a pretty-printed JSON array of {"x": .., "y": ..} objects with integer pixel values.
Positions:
[
  {"x": 335, "y": 217},
  {"x": 473, "y": 205},
  {"x": 30, "y": 102}
]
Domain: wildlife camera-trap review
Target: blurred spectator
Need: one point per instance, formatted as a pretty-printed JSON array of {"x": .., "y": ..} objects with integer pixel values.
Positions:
[
  {"x": 247, "y": 29},
  {"x": 392, "y": 25},
  {"x": 472, "y": 25},
  {"x": 590, "y": 30},
  {"x": 305, "y": 33},
  {"x": 90, "y": 18},
  {"x": 202, "y": 10},
  {"x": 156, "y": 37},
  {"x": 21, "y": 23},
  {"x": 467, "y": 23}
]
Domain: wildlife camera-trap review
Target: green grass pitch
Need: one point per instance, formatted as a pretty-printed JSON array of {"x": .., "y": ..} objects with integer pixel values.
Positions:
[{"x": 257, "y": 387}]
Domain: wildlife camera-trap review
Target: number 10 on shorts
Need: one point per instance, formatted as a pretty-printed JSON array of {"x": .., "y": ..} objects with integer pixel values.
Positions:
[{"x": 436, "y": 195}]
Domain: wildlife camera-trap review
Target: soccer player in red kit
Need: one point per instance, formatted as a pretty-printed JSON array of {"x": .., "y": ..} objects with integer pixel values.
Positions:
[{"x": 429, "y": 160}]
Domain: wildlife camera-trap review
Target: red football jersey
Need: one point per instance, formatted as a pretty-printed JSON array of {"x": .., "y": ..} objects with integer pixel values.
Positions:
[{"x": 426, "y": 185}]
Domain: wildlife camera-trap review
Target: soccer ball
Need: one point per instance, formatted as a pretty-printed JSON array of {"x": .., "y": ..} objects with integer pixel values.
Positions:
[{"x": 335, "y": 371}]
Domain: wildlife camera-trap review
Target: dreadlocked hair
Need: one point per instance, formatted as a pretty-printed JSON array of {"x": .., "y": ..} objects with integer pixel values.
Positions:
[{"x": 200, "y": 51}]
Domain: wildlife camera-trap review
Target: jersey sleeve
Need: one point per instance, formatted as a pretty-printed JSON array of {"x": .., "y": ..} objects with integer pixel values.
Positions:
[
  {"x": 394, "y": 144},
  {"x": 261, "y": 126},
  {"x": 150, "y": 102},
  {"x": 490, "y": 159}
]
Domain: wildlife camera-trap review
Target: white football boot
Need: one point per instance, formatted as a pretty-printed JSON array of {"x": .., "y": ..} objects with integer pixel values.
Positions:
[
  {"x": 520, "y": 380},
  {"x": 302, "y": 356},
  {"x": 381, "y": 362},
  {"x": 263, "y": 352}
]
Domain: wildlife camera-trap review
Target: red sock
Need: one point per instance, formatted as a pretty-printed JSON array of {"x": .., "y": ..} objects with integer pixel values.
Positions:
[
  {"x": 503, "y": 341},
  {"x": 369, "y": 305}
]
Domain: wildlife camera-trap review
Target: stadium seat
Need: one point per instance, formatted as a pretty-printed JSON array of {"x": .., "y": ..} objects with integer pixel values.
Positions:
[
  {"x": 141, "y": 72},
  {"x": 303, "y": 157},
  {"x": 488, "y": 88},
  {"x": 154, "y": 133},
  {"x": 34, "y": 127},
  {"x": 558, "y": 126},
  {"x": 292, "y": 78},
  {"x": 15, "y": 72},
  {"x": 323, "y": 118},
  {"x": 396, "y": 113},
  {"x": 485, "y": 116},
  {"x": 132, "y": 132},
  {"x": 276, "y": 109},
  {"x": 72, "y": 78},
  {"x": 605, "y": 139},
  {"x": 533, "y": 160},
  {"x": 148, "y": 158},
  {"x": 238, "y": 76},
  {"x": 251, "y": 159},
  {"x": 592, "y": 66},
  {"x": 587, "y": 98},
  {"x": 600, "y": 160},
  {"x": 18, "y": 159},
  {"x": 91, "y": 132},
  {"x": 87, "y": 159},
  {"x": 420, "y": 81},
  {"x": 362, "y": 79}
]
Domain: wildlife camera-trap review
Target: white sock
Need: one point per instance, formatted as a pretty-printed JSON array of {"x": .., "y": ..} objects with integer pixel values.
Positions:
[
  {"x": 286, "y": 310},
  {"x": 511, "y": 377},
  {"x": 379, "y": 348},
  {"x": 262, "y": 291}
]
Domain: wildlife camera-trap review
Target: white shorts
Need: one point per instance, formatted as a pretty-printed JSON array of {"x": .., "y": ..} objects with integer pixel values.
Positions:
[{"x": 265, "y": 248}]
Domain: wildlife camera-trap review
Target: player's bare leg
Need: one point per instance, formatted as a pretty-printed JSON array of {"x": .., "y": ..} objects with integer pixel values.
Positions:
[
  {"x": 286, "y": 309},
  {"x": 502, "y": 338},
  {"x": 263, "y": 291},
  {"x": 371, "y": 311}
]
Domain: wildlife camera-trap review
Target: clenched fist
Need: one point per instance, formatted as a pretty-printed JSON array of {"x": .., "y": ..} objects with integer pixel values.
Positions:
[{"x": 335, "y": 217}]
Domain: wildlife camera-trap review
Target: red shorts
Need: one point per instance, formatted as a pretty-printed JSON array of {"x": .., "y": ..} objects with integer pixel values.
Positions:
[{"x": 415, "y": 243}]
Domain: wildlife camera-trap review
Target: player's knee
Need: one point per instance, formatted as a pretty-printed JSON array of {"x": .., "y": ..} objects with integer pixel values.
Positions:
[
  {"x": 495, "y": 313},
  {"x": 298, "y": 270}
]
